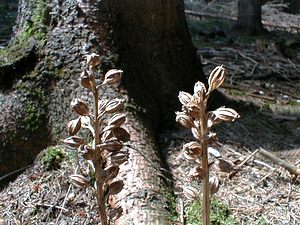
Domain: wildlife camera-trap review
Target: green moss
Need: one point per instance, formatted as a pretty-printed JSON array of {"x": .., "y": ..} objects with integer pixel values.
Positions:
[
  {"x": 220, "y": 214},
  {"x": 53, "y": 157},
  {"x": 35, "y": 28},
  {"x": 171, "y": 203},
  {"x": 32, "y": 119}
]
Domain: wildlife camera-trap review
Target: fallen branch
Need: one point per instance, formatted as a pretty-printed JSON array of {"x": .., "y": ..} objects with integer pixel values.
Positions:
[
  {"x": 242, "y": 163},
  {"x": 286, "y": 165}
]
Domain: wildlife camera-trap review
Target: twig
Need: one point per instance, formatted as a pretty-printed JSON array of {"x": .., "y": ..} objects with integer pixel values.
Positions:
[
  {"x": 181, "y": 205},
  {"x": 65, "y": 199},
  {"x": 242, "y": 163},
  {"x": 52, "y": 206},
  {"x": 13, "y": 173},
  {"x": 286, "y": 165},
  {"x": 266, "y": 176},
  {"x": 246, "y": 57},
  {"x": 262, "y": 97}
]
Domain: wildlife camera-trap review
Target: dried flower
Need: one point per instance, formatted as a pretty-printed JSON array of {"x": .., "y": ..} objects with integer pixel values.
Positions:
[
  {"x": 190, "y": 192},
  {"x": 111, "y": 145},
  {"x": 93, "y": 60},
  {"x": 184, "y": 119},
  {"x": 80, "y": 107},
  {"x": 115, "y": 187},
  {"x": 214, "y": 184},
  {"x": 79, "y": 181},
  {"x": 224, "y": 114},
  {"x": 87, "y": 80},
  {"x": 193, "y": 148},
  {"x": 121, "y": 134},
  {"x": 199, "y": 92},
  {"x": 74, "y": 142},
  {"x": 114, "y": 105},
  {"x": 117, "y": 120},
  {"x": 184, "y": 97},
  {"x": 74, "y": 126},
  {"x": 87, "y": 152},
  {"x": 216, "y": 78},
  {"x": 112, "y": 76}
]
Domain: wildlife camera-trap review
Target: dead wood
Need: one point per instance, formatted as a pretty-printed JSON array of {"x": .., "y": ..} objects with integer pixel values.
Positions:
[{"x": 286, "y": 165}]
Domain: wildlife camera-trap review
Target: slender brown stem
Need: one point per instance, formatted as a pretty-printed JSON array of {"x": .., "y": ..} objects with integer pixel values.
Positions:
[
  {"x": 206, "y": 196},
  {"x": 98, "y": 164}
]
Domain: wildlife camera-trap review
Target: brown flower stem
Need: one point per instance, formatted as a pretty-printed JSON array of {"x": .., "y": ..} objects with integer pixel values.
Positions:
[
  {"x": 98, "y": 163},
  {"x": 206, "y": 197}
]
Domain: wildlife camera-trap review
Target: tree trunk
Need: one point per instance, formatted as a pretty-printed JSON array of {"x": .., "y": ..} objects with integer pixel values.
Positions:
[
  {"x": 39, "y": 74},
  {"x": 294, "y": 6},
  {"x": 249, "y": 17}
]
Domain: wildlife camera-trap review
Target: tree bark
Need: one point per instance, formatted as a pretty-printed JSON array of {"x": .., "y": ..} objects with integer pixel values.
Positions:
[
  {"x": 249, "y": 17},
  {"x": 149, "y": 40}
]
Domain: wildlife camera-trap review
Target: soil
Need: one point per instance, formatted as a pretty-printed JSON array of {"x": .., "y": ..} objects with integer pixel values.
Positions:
[{"x": 263, "y": 85}]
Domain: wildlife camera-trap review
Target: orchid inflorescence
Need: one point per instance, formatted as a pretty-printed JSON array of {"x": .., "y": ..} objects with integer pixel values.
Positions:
[
  {"x": 105, "y": 124},
  {"x": 195, "y": 116}
]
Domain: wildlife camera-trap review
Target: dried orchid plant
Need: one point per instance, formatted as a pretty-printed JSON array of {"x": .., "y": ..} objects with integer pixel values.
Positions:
[
  {"x": 195, "y": 116},
  {"x": 105, "y": 155}
]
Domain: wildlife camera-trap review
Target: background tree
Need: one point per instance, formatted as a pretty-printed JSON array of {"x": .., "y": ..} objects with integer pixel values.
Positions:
[
  {"x": 149, "y": 40},
  {"x": 294, "y": 6},
  {"x": 249, "y": 17}
]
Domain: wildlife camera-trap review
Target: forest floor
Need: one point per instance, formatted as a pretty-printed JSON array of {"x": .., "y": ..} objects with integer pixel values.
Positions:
[{"x": 265, "y": 85}]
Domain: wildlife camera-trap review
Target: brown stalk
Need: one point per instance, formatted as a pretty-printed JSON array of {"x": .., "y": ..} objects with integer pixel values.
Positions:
[
  {"x": 98, "y": 161},
  {"x": 206, "y": 197}
]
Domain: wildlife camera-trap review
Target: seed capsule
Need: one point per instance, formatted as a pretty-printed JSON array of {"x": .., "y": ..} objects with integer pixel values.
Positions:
[
  {"x": 110, "y": 172},
  {"x": 216, "y": 78},
  {"x": 111, "y": 145},
  {"x": 87, "y": 80},
  {"x": 115, "y": 187},
  {"x": 214, "y": 184},
  {"x": 184, "y": 97},
  {"x": 121, "y": 134},
  {"x": 225, "y": 114},
  {"x": 114, "y": 105},
  {"x": 80, "y": 107},
  {"x": 193, "y": 148},
  {"x": 184, "y": 119},
  {"x": 73, "y": 142},
  {"x": 199, "y": 90},
  {"x": 117, "y": 120},
  {"x": 93, "y": 60},
  {"x": 112, "y": 76},
  {"x": 74, "y": 126},
  {"x": 79, "y": 181},
  {"x": 190, "y": 192}
]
